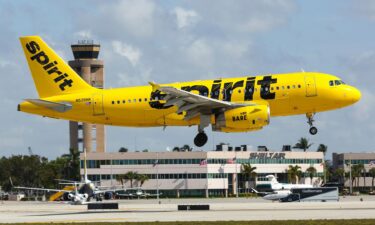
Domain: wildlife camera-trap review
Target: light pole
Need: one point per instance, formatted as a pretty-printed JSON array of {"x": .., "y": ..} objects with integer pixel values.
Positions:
[
  {"x": 235, "y": 161},
  {"x": 350, "y": 177}
]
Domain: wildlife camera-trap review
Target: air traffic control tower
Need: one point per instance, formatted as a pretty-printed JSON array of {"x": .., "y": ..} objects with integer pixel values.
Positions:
[{"x": 90, "y": 68}]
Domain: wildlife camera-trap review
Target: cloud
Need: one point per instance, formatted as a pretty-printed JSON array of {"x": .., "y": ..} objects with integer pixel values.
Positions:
[
  {"x": 133, "y": 17},
  {"x": 131, "y": 53},
  {"x": 185, "y": 18},
  {"x": 84, "y": 34}
]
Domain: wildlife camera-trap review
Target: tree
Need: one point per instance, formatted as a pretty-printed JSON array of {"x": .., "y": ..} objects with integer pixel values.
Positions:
[
  {"x": 176, "y": 149},
  {"x": 340, "y": 174},
  {"x": 121, "y": 178},
  {"x": 356, "y": 173},
  {"x": 249, "y": 172},
  {"x": 294, "y": 173},
  {"x": 142, "y": 178},
  {"x": 122, "y": 149},
  {"x": 311, "y": 171},
  {"x": 372, "y": 174},
  {"x": 131, "y": 176},
  {"x": 303, "y": 143},
  {"x": 186, "y": 148},
  {"x": 145, "y": 150},
  {"x": 322, "y": 148}
]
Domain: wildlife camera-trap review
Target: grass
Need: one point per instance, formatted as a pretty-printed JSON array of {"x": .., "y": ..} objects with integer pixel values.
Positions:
[{"x": 274, "y": 222}]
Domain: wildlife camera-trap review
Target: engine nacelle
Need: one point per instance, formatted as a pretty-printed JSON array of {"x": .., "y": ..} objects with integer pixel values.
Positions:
[
  {"x": 242, "y": 119},
  {"x": 108, "y": 195},
  {"x": 71, "y": 196}
]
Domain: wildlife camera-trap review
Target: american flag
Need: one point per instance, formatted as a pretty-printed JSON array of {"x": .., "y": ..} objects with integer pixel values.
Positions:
[
  {"x": 203, "y": 162},
  {"x": 231, "y": 161}
]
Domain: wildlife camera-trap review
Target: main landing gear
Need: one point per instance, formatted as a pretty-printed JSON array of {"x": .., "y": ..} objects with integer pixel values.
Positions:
[
  {"x": 310, "y": 119},
  {"x": 201, "y": 138}
]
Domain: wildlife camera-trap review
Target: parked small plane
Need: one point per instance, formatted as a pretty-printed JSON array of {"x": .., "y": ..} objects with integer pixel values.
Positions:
[
  {"x": 230, "y": 105},
  {"x": 138, "y": 194},
  {"x": 279, "y": 190}
]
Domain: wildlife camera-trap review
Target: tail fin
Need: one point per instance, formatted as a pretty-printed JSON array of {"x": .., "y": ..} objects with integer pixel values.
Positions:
[{"x": 51, "y": 74}]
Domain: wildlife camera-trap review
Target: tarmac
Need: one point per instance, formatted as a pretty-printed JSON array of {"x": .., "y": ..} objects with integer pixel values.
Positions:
[{"x": 222, "y": 209}]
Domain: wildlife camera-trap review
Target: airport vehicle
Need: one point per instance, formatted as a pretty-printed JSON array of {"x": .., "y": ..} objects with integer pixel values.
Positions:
[
  {"x": 312, "y": 194},
  {"x": 138, "y": 194},
  {"x": 230, "y": 105}
]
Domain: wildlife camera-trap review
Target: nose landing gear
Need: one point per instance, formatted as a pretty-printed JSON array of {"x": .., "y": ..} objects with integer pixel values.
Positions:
[{"x": 310, "y": 119}]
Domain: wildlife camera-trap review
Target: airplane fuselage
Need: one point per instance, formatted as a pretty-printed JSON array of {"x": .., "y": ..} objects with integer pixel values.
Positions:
[{"x": 286, "y": 94}]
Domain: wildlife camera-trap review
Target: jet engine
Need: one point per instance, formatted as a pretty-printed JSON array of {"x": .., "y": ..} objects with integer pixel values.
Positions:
[
  {"x": 242, "y": 119},
  {"x": 108, "y": 195}
]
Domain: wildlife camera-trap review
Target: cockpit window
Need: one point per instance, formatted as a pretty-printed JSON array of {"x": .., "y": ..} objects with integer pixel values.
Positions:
[{"x": 331, "y": 83}]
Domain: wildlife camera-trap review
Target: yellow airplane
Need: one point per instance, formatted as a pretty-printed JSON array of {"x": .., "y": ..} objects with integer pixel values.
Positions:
[{"x": 230, "y": 105}]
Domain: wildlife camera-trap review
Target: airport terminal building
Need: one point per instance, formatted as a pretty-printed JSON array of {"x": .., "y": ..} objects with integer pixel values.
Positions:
[
  {"x": 198, "y": 173},
  {"x": 346, "y": 160}
]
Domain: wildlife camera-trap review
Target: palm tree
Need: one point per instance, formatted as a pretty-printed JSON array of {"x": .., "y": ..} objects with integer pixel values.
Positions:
[
  {"x": 142, "y": 178},
  {"x": 356, "y": 173},
  {"x": 294, "y": 173},
  {"x": 131, "y": 176},
  {"x": 340, "y": 174},
  {"x": 303, "y": 143},
  {"x": 372, "y": 174},
  {"x": 248, "y": 171},
  {"x": 311, "y": 171},
  {"x": 322, "y": 148},
  {"x": 120, "y": 177}
]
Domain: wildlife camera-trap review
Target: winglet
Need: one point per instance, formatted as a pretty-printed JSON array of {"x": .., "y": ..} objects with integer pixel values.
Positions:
[{"x": 154, "y": 86}]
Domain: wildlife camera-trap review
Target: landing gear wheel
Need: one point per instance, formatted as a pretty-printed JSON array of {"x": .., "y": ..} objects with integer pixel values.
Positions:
[
  {"x": 313, "y": 130},
  {"x": 200, "y": 139}
]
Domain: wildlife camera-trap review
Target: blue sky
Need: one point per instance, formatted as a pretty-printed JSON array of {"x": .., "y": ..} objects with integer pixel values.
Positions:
[{"x": 168, "y": 41}]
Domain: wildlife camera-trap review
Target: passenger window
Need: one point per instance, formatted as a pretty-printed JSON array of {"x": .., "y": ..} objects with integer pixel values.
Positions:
[
  {"x": 134, "y": 100},
  {"x": 113, "y": 102},
  {"x": 282, "y": 87},
  {"x": 294, "y": 86},
  {"x": 277, "y": 88},
  {"x": 271, "y": 88},
  {"x": 118, "y": 102},
  {"x": 299, "y": 86},
  {"x": 145, "y": 99},
  {"x": 288, "y": 87},
  {"x": 123, "y": 101},
  {"x": 140, "y": 100},
  {"x": 331, "y": 83},
  {"x": 129, "y": 101}
]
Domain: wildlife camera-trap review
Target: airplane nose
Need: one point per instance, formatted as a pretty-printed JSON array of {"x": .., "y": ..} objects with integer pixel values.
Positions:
[{"x": 355, "y": 94}]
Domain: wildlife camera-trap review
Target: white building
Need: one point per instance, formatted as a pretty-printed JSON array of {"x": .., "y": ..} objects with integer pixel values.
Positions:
[{"x": 212, "y": 173}]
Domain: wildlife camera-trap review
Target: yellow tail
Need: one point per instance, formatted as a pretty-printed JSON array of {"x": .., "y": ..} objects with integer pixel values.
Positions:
[{"x": 51, "y": 74}]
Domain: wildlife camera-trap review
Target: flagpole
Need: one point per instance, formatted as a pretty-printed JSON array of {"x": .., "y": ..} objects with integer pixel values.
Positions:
[
  {"x": 236, "y": 174},
  {"x": 157, "y": 176}
]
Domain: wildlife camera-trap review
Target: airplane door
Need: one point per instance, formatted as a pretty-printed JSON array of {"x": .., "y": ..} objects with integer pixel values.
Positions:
[
  {"x": 310, "y": 86},
  {"x": 97, "y": 104}
]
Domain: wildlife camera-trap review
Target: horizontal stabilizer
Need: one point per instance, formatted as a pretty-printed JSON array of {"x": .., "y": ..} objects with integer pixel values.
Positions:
[{"x": 55, "y": 106}]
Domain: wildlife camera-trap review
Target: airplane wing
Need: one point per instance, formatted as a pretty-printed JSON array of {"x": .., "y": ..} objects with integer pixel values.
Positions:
[
  {"x": 55, "y": 106},
  {"x": 193, "y": 104},
  {"x": 43, "y": 189}
]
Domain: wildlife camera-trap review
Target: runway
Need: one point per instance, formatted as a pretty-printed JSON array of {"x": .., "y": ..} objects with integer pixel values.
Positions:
[{"x": 220, "y": 210}]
